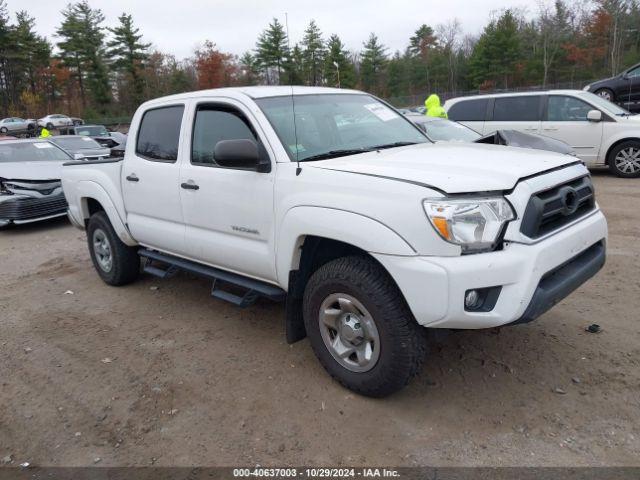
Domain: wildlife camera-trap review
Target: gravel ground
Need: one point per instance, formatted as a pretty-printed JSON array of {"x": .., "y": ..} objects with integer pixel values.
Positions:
[{"x": 159, "y": 372}]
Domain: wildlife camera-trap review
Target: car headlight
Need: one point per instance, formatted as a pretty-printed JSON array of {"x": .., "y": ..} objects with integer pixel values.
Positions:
[
  {"x": 587, "y": 87},
  {"x": 473, "y": 223}
]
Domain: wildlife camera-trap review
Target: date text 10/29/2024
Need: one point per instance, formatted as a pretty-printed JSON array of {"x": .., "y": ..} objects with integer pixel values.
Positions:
[{"x": 315, "y": 472}]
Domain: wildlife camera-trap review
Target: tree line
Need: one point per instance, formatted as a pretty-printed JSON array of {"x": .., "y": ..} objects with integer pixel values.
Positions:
[{"x": 92, "y": 69}]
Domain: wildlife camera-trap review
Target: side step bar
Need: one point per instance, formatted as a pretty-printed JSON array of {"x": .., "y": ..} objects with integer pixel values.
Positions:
[{"x": 254, "y": 288}]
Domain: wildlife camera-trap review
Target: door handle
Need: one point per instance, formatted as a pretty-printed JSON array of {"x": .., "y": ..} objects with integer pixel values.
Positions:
[
  {"x": 190, "y": 186},
  {"x": 132, "y": 178},
  {"x": 550, "y": 129}
]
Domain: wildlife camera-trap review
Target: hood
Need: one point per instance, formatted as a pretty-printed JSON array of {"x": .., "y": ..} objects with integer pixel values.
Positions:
[
  {"x": 432, "y": 101},
  {"x": 602, "y": 82},
  {"x": 49, "y": 170},
  {"x": 633, "y": 119},
  {"x": 452, "y": 168}
]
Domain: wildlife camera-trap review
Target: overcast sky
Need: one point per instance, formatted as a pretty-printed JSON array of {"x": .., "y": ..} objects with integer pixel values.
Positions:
[{"x": 178, "y": 26}]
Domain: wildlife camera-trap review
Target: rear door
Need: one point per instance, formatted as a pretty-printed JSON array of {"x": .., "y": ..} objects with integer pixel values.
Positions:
[
  {"x": 471, "y": 112},
  {"x": 150, "y": 180},
  {"x": 519, "y": 112},
  {"x": 566, "y": 120},
  {"x": 228, "y": 212}
]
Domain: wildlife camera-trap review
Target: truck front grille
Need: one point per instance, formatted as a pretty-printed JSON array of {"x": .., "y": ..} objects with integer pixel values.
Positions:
[
  {"x": 29, "y": 208},
  {"x": 551, "y": 209}
]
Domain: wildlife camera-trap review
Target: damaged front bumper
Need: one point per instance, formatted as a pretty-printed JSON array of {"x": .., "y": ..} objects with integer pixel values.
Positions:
[{"x": 27, "y": 201}]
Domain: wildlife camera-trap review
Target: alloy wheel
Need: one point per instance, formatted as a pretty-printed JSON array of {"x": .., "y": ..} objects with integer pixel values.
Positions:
[
  {"x": 349, "y": 332},
  {"x": 102, "y": 250},
  {"x": 628, "y": 160}
]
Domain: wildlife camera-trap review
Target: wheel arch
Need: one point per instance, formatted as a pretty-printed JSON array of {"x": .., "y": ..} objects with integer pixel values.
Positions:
[
  {"x": 93, "y": 198},
  {"x": 313, "y": 236},
  {"x": 607, "y": 158}
]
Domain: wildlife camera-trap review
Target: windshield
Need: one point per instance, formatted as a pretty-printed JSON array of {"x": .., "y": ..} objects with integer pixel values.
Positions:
[
  {"x": 31, "y": 152},
  {"x": 606, "y": 104},
  {"x": 448, "y": 131},
  {"x": 98, "y": 131},
  {"x": 76, "y": 143},
  {"x": 336, "y": 124}
]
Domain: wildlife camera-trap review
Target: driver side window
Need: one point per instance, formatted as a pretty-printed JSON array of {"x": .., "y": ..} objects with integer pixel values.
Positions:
[
  {"x": 567, "y": 109},
  {"x": 215, "y": 123}
]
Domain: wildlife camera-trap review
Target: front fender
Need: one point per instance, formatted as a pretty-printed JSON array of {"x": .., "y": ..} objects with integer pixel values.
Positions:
[
  {"x": 88, "y": 189},
  {"x": 353, "y": 228}
]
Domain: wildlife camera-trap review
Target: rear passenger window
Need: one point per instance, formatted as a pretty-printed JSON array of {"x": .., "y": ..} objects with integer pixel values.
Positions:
[
  {"x": 468, "y": 110},
  {"x": 516, "y": 109},
  {"x": 214, "y": 123},
  {"x": 159, "y": 134}
]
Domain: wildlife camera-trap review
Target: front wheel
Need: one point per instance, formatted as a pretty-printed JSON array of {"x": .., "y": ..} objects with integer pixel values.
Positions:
[
  {"x": 3, "y": 130},
  {"x": 360, "y": 327},
  {"x": 115, "y": 262},
  {"x": 606, "y": 94},
  {"x": 624, "y": 159}
]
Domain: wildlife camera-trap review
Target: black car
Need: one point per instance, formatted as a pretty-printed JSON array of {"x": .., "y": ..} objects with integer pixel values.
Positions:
[{"x": 622, "y": 89}]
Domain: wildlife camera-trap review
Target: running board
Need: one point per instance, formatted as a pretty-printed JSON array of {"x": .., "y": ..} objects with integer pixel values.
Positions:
[{"x": 254, "y": 288}]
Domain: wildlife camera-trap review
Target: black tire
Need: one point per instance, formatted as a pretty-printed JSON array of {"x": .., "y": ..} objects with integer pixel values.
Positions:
[
  {"x": 3, "y": 130},
  {"x": 125, "y": 262},
  {"x": 620, "y": 168},
  {"x": 606, "y": 93},
  {"x": 49, "y": 126},
  {"x": 402, "y": 342}
]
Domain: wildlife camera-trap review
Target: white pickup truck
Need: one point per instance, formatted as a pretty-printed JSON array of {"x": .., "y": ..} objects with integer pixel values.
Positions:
[{"x": 333, "y": 201}]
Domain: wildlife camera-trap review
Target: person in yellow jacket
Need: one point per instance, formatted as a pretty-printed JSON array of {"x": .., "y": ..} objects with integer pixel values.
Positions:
[
  {"x": 434, "y": 109},
  {"x": 44, "y": 133}
]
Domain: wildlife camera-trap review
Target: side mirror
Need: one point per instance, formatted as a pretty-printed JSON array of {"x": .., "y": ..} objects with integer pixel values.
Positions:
[
  {"x": 594, "y": 116},
  {"x": 238, "y": 154}
]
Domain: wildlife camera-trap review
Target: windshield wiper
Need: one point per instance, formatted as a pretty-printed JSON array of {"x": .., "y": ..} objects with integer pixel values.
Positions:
[
  {"x": 335, "y": 153},
  {"x": 393, "y": 145}
]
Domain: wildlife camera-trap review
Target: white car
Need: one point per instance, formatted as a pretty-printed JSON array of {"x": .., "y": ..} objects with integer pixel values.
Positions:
[
  {"x": 16, "y": 125},
  {"x": 600, "y": 132},
  {"x": 55, "y": 121},
  {"x": 348, "y": 212}
]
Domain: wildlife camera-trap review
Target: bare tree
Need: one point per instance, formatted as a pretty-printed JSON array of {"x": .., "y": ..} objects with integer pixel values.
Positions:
[{"x": 449, "y": 37}]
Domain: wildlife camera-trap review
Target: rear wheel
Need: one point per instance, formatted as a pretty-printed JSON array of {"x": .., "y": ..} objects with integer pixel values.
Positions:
[
  {"x": 360, "y": 327},
  {"x": 606, "y": 93},
  {"x": 624, "y": 159},
  {"x": 115, "y": 262}
]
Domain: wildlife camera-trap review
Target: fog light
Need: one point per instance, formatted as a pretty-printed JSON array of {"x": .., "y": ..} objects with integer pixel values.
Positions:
[{"x": 471, "y": 299}]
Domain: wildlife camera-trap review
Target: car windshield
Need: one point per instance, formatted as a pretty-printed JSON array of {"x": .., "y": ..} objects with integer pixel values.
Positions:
[
  {"x": 31, "y": 152},
  {"x": 76, "y": 143},
  {"x": 332, "y": 125},
  {"x": 606, "y": 104},
  {"x": 448, "y": 131},
  {"x": 97, "y": 131}
]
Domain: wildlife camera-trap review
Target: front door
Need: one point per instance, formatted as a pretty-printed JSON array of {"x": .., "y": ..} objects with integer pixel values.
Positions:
[
  {"x": 150, "y": 181},
  {"x": 228, "y": 212},
  {"x": 566, "y": 120}
]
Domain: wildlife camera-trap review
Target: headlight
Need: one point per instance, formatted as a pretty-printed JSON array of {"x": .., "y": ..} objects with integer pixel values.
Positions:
[
  {"x": 587, "y": 87},
  {"x": 473, "y": 223}
]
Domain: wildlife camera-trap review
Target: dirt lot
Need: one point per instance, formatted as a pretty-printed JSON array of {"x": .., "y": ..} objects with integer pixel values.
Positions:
[{"x": 168, "y": 375}]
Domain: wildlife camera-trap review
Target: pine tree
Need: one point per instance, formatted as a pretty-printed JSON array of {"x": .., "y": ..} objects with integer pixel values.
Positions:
[
  {"x": 30, "y": 53},
  {"x": 128, "y": 54},
  {"x": 497, "y": 52},
  {"x": 249, "y": 69},
  {"x": 373, "y": 61},
  {"x": 313, "y": 53},
  {"x": 82, "y": 50},
  {"x": 339, "y": 71},
  {"x": 272, "y": 51}
]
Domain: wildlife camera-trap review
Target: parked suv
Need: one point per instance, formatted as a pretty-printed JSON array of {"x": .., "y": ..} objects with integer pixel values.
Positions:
[
  {"x": 345, "y": 210},
  {"x": 624, "y": 88},
  {"x": 600, "y": 132}
]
